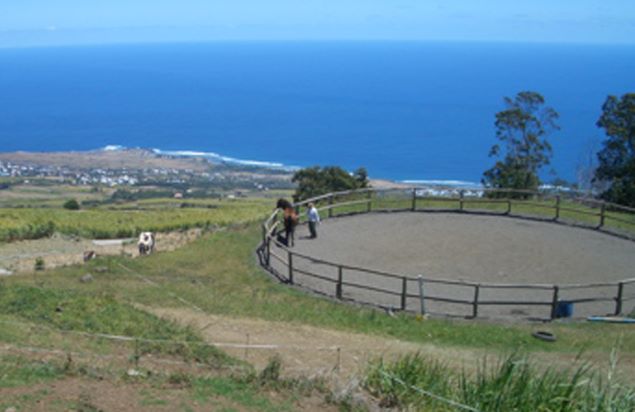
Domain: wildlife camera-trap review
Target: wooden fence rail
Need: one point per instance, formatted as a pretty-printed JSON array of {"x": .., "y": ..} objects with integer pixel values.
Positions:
[{"x": 340, "y": 280}]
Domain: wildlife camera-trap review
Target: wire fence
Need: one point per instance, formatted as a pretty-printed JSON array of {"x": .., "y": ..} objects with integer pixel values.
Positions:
[
  {"x": 129, "y": 350},
  {"x": 417, "y": 293}
]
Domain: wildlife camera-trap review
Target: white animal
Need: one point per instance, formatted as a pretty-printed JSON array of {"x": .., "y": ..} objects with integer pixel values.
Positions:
[{"x": 146, "y": 243}]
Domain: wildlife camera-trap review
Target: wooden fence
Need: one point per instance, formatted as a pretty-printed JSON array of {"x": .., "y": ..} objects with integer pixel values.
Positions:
[{"x": 411, "y": 293}]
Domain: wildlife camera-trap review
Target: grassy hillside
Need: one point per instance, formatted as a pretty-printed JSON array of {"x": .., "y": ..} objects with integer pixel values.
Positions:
[{"x": 218, "y": 274}]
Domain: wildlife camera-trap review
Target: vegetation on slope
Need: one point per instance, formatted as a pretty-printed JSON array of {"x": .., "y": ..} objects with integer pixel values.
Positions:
[
  {"x": 512, "y": 384},
  {"x": 27, "y": 223},
  {"x": 218, "y": 273}
]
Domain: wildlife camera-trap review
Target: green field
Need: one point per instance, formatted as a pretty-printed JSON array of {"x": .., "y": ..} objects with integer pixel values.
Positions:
[{"x": 128, "y": 219}]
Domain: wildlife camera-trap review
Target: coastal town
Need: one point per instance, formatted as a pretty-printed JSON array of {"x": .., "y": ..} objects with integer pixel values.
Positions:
[{"x": 142, "y": 168}]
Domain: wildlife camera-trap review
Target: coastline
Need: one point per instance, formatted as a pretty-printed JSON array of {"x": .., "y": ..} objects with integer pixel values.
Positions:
[{"x": 121, "y": 157}]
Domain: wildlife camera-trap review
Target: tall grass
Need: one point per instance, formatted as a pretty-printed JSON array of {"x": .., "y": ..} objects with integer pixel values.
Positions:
[{"x": 511, "y": 384}]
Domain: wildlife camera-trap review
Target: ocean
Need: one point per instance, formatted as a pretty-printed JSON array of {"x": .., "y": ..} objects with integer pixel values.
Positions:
[{"x": 405, "y": 111}]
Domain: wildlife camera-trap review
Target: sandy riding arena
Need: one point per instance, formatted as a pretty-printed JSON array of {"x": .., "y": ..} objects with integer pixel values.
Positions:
[{"x": 473, "y": 248}]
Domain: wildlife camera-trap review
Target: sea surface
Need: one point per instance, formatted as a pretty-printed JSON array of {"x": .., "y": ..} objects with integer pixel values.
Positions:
[{"x": 405, "y": 111}]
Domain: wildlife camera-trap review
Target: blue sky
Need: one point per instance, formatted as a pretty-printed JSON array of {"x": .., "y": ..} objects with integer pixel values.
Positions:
[{"x": 47, "y": 22}]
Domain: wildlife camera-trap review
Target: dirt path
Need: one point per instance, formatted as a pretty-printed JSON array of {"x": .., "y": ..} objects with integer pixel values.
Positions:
[
  {"x": 310, "y": 351},
  {"x": 306, "y": 349}
]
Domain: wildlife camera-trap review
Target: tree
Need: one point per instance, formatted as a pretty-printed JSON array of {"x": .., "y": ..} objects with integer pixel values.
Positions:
[
  {"x": 617, "y": 158},
  {"x": 315, "y": 181},
  {"x": 522, "y": 129},
  {"x": 361, "y": 176}
]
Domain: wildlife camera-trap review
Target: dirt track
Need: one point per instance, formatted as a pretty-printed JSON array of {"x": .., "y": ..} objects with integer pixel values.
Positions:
[{"x": 472, "y": 248}]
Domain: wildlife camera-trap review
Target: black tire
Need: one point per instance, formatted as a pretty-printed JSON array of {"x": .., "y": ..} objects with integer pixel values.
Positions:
[{"x": 543, "y": 335}]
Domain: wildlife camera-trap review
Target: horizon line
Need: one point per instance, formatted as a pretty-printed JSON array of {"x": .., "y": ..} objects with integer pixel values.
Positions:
[{"x": 314, "y": 40}]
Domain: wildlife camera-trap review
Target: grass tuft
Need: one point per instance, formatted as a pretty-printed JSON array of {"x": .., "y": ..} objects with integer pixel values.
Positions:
[{"x": 512, "y": 384}]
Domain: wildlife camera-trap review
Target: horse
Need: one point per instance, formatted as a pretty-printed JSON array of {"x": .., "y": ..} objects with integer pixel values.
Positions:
[{"x": 290, "y": 220}]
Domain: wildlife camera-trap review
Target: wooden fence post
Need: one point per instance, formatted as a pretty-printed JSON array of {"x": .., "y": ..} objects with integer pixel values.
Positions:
[
  {"x": 422, "y": 295},
  {"x": 268, "y": 251},
  {"x": 414, "y": 199},
  {"x": 461, "y": 194},
  {"x": 338, "y": 287},
  {"x": 290, "y": 260},
  {"x": 557, "y": 208},
  {"x": 554, "y": 302},
  {"x": 618, "y": 298},
  {"x": 475, "y": 303},
  {"x": 509, "y": 207},
  {"x": 370, "y": 201},
  {"x": 404, "y": 292},
  {"x": 602, "y": 215},
  {"x": 331, "y": 206}
]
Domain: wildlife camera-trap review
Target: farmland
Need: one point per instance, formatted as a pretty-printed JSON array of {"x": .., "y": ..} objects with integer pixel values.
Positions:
[{"x": 126, "y": 220}]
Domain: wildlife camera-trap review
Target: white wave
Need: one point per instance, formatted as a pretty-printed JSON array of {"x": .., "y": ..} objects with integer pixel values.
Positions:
[
  {"x": 440, "y": 182},
  {"x": 225, "y": 159},
  {"x": 113, "y": 148}
]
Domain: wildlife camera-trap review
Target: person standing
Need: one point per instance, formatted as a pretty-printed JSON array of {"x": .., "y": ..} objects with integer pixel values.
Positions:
[{"x": 314, "y": 219}]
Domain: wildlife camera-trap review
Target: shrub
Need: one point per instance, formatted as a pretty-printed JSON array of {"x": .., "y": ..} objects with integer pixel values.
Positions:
[
  {"x": 271, "y": 372},
  {"x": 39, "y": 263},
  {"x": 71, "y": 204}
]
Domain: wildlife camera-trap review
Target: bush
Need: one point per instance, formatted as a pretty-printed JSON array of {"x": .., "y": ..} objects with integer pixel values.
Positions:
[
  {"x": 71, "y": 204},
  {"x": 39, "y": 263},
  {"x": 271, "y": 372}
]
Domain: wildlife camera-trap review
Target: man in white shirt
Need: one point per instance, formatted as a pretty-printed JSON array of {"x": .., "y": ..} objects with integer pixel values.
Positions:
[{"x": 314, "y": 218}]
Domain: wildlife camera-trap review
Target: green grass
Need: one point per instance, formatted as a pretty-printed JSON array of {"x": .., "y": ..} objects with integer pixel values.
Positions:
[
  {"x": 219, "y": 274},
  {"x": 33, "y": 223},
  {"x": 513, "y": 384},
  {"x": 243, "y": 392},
  {"x": 72, "y": 310},
  {"x": 20, "y": 371},
  {"x": 236, "y": 392}
]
